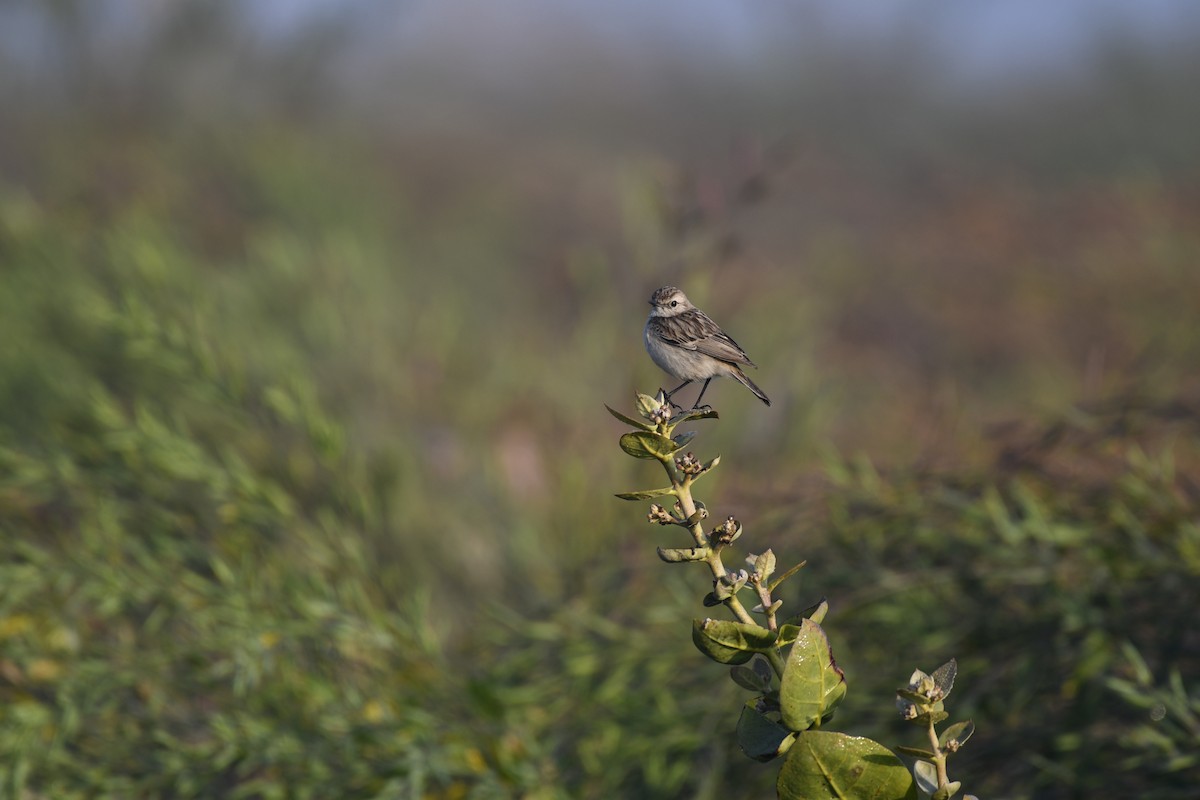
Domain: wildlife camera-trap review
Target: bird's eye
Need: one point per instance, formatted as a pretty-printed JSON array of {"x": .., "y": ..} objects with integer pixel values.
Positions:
[{"x": 674, "y": 303}]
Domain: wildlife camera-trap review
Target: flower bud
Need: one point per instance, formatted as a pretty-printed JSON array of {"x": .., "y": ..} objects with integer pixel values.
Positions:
[
  {"x": 689, "y": 464},
  {"x": 660, "y": 515}
]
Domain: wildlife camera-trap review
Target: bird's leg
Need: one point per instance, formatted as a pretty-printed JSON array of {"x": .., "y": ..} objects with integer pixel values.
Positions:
[
  {"x": 702, "y": 390},
  {"x": 667, "y": 395}
]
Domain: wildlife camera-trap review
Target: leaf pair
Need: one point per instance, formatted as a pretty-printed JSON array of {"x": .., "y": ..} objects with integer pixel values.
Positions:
[
  {"x": 728, "y": 642},
  {"x": 651, "y": 444}
]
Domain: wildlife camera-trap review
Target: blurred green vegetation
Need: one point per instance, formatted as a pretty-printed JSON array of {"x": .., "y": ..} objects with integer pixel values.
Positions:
[{"x": 305, "y": 480}]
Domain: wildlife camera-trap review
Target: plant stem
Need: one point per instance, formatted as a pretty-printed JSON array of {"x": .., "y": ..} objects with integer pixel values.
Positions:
[
  {"x": 939, "y": 760},
  {"x": 683, "y": 492},
  {"x": 764, "y": 598},
  {"x": 682, "y": 486}
]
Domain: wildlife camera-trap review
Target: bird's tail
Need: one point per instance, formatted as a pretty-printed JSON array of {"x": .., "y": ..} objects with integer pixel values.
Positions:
[{"x": 739, "y": 376}]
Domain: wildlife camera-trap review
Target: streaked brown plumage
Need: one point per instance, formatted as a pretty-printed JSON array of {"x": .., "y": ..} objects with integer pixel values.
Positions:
[{"x": 684, "y": 342}]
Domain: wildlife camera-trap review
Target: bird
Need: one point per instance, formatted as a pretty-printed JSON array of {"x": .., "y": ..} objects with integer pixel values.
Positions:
[{"x": 686, "y": 344}]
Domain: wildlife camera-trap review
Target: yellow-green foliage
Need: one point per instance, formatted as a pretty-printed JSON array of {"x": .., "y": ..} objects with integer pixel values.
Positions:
[{"x": 305, "y": 477}]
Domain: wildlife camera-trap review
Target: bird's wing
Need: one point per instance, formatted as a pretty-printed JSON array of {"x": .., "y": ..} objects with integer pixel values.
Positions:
[{"x": 693, "y": 330}]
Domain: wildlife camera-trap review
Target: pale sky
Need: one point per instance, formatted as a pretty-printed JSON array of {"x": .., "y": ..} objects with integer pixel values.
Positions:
[{"x": 984, "y": 37}]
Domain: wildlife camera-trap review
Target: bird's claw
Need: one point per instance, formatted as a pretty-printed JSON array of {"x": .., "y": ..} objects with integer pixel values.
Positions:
[{"x": 669, "y": 401}]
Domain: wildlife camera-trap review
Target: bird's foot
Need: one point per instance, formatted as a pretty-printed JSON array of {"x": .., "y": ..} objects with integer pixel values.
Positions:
[{"x": 671, "y": 402}]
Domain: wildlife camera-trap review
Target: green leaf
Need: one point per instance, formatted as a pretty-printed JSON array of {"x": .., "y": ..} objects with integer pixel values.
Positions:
[
  {"x": 647, "y": 405},
  {"x": 697, "y": 413},
  {"x": 913, "y": 697},
  {"x": 788, "y": 633},
  {"x": 646, "y": 426},
  {"x": 920, "y": 682},
  {"x": 759, "y": 736},
  {"x": 947, "y": 791},
  {"x": 711, "y": 600},
  {"x": 959, "y": 731},
  {"x": 646, "y": 444},
  {"x": 647, "y": 494},
  {"x": 748, "y": 678},
  {"x": 915, "y": 752},
  {"x": 823, "y": 765},
  {"x": 764, "y": 564},
  {"x": 682, "y": 439},
  {"x": 1133, "y": 694},
  {"x": 943, "y": 676},
  {"x": 728, "y": 642},
  {"x": 815, "y": 612},
  {"x": 222, "y": 572},
  {"x": 1141, "y": 670},
  {"x": 677, "y": 555},
  {"x": 787, "y": 575},
  {"x": 812, "y": 684},
  {"x": 926, "y": 775}
]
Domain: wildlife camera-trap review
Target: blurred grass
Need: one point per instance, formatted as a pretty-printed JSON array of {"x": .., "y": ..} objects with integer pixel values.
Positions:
[{"x": 305, "y": 482}]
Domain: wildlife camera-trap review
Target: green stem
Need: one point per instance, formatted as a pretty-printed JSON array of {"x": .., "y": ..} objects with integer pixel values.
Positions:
[
  {"x": 682, "y": 484},
  {"x": 764, "y": 598},
  {"x": 683, "y": 492},
  {"x": 939, "y": 760}
]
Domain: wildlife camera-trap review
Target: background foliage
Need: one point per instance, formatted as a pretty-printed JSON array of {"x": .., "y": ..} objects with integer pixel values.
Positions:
[{"x": 305, "y": 480}]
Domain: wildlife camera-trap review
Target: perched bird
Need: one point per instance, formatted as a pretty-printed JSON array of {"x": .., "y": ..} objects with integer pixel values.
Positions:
[{"x": 685, "y": 343}]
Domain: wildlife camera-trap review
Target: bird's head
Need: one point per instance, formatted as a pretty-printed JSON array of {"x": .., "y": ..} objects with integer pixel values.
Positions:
[{"x": 668, "y": 302}]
